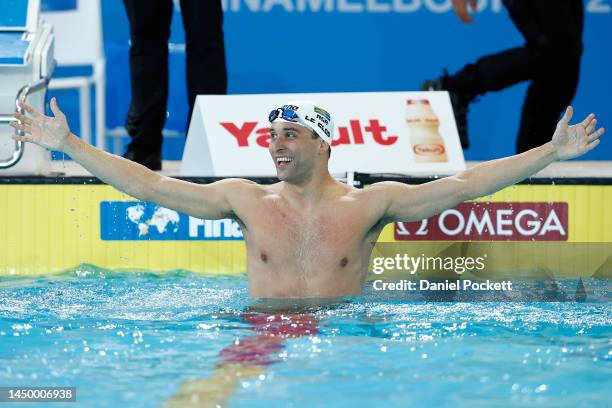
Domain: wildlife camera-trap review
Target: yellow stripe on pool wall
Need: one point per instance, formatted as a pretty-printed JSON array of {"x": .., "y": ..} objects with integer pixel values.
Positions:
[
  {"x": 51, "y": 228},
  {"x": 48, "y": 228}
]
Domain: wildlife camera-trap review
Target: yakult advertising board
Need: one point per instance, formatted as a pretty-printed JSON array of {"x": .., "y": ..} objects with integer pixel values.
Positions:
[{"x": 410, "y": 133}]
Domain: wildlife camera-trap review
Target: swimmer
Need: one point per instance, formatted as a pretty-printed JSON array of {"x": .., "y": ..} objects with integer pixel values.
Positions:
[{"x": 308, "y": 235}]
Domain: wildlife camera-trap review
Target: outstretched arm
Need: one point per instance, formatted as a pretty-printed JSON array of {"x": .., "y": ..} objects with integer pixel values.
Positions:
[
  {"x": 204, "y": 201},
  {"x": 412, "y": 203}
]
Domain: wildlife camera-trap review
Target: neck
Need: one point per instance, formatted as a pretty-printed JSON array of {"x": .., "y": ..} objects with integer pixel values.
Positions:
[{"x": 312, "y": 187}]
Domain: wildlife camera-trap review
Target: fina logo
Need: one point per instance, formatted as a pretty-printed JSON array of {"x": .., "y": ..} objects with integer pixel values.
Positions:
[
  {"x": 214, "y": 229},
  {"x": 143, "y": 221}
]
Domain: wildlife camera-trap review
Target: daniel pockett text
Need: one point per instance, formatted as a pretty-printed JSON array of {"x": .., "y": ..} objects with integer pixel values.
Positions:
[
  {"x": 422, "y": 263},
  {"x": 424, "y": 284}
]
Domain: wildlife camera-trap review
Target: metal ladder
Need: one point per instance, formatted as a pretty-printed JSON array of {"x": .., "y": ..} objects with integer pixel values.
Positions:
[{"x": 22, "y": 96}]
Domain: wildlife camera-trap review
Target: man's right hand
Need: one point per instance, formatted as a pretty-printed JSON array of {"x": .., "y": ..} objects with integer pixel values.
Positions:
[
  {"x": 461, "y": 9},
  {"x": 49, "y": 132}
]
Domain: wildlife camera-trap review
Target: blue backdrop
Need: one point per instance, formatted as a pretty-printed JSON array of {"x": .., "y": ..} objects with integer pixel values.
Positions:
[{"x": 278, "y": 46}]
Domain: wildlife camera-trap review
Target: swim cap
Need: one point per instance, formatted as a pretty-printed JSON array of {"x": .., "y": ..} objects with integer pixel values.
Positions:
[{"x": 309, "y": 115}]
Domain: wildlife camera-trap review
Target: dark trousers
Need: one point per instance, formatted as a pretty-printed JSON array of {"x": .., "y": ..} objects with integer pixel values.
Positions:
[
  {"x": 550, "y": 59},
  {"x": 149, "y": 33}
]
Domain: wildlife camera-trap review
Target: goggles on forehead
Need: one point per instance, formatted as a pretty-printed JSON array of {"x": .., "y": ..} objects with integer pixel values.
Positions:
[{"x": 284, "y": 113}]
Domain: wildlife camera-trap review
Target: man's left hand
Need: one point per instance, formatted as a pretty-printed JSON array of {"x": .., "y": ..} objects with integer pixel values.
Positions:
[{"x": 575, "y": 140}]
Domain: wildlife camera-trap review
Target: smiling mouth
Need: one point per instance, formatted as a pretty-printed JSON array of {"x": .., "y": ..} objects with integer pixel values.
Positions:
[{"x": 283, "y": 161}]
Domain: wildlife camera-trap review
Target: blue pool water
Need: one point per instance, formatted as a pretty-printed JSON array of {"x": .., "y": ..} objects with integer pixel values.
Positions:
[{"x": 132, "y": 339}]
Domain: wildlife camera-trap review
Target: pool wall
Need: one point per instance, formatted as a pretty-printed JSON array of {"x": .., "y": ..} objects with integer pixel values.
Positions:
[{"x": 49, "y": 225}]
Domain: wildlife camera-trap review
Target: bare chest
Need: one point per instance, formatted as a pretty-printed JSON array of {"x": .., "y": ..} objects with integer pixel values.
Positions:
[{"x": 307, "y": 239}]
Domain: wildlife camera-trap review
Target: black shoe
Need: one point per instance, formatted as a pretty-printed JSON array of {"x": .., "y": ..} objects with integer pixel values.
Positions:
[
  {"x": 152, "y": 161},
  {"x": 460, "y": 104}
]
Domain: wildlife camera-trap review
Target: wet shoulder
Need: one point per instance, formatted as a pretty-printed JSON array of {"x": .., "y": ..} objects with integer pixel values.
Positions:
[
  {"x": 348, "y": 193},
  {"x": 271, "y": 191},
  {"x": 242, "y": 192},
  {"x": 373, "y": 200}
]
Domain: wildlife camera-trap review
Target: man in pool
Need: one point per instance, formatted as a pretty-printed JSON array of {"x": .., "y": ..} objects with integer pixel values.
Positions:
[{"x": 308, "y": 235}]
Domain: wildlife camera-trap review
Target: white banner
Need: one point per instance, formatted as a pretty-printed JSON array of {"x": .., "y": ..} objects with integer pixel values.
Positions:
[{"x": 392, "y": 132}]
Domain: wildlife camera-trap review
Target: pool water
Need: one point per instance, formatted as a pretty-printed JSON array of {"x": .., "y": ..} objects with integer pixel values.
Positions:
[{"x": 147, "y": 340}]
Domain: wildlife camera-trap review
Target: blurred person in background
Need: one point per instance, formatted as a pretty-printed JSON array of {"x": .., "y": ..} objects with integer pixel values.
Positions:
[
  {"x": 206, "y": 69},
  {"x": 550, "y": 59}
]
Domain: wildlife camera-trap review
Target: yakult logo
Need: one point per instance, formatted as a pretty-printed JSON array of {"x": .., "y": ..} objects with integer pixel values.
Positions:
[
  {"x": 425, "y": 149},
  {"x": 510, "y": 221},
  {"x": 355, "y": 133}
]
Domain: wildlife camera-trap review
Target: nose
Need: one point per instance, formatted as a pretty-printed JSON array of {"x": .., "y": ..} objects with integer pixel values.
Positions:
[{"x": 277, "y": 144}]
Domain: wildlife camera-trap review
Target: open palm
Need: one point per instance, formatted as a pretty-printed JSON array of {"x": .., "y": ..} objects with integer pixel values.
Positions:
[
  {"x": 575, "y": 140},
  {"x": 45, "y": 131}
]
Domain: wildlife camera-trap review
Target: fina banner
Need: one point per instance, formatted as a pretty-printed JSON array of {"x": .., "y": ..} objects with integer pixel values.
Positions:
[{"x": 411, "y": 133}]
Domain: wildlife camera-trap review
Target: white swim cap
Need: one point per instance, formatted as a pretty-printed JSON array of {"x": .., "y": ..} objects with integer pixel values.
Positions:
[{"x": 307, "y": 114}]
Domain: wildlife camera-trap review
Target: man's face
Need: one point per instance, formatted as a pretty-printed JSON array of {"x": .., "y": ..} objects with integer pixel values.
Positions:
[{"x": 293, "y": 150}]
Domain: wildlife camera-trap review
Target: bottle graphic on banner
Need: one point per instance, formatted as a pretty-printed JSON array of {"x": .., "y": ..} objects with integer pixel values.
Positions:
[{"x": 427, "y": 143}]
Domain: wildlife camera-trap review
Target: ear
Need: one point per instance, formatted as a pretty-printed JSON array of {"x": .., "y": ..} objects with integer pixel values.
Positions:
[{"x": 322, "y": 146}]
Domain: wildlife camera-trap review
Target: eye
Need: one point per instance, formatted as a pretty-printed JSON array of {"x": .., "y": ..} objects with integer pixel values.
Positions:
[{"x": 273, "y": 136}]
